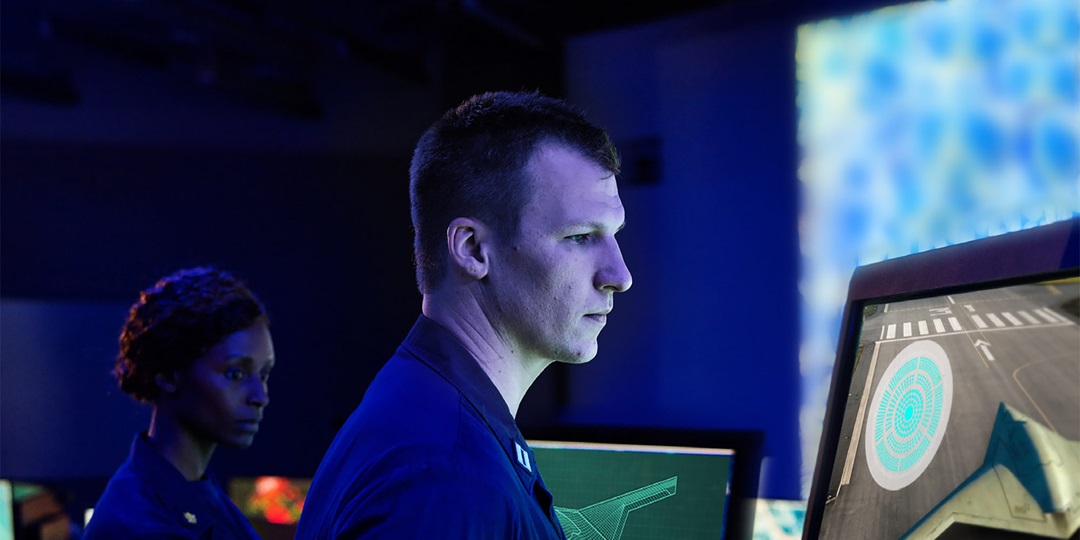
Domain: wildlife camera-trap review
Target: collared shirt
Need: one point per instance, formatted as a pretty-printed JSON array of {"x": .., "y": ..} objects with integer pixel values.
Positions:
[
  {"x": 431, "y": 452},
  {"x": 149, "y": 498}
]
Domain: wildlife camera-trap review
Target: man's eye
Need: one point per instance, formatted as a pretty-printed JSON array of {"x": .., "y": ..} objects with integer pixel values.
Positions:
[
  {"x": 578, "y": 238},
  {"x": 234, "y": 374},
  {"x": 264, "y": 376}
]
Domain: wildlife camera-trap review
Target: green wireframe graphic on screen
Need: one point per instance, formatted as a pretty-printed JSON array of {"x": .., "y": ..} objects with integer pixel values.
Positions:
[
  {"x": 636, "y": 492},
  {"x": 606, "y": 519}
]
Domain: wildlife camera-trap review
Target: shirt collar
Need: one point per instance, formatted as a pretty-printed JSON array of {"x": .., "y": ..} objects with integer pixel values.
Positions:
[
  {"x": 435, "y": 346},
  {"x": 182, "y": 496}
]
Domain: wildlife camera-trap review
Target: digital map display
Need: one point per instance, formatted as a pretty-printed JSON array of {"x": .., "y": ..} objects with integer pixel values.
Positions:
[{"x": 963, "y": 411}]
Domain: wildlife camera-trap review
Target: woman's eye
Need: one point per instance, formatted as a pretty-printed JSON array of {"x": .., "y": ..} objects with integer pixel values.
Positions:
[
  {"x": 264, "y": 376},
  {"x": 234, "y": 374},
  {"x": 578, "y": 238}
]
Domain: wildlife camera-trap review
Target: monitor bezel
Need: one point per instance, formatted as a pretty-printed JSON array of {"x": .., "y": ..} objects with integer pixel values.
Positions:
[{"x": 1041, "y": 253}]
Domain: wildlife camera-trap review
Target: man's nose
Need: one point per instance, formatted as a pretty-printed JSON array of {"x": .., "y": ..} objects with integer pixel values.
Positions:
[{"x": 613, "y": 275}]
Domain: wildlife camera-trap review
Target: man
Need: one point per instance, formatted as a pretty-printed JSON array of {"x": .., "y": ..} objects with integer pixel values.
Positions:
[{"x": 515, "y": 209}]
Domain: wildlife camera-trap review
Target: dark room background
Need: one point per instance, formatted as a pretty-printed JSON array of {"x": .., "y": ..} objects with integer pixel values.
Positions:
[{"x": 273, "y": 141}]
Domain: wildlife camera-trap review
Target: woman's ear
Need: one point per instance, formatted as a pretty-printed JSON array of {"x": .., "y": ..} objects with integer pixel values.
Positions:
[{"x": 467, "y": 240}]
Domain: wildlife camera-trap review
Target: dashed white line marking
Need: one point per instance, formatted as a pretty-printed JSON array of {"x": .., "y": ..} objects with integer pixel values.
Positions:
[
  {"x": 1027, "y": 316},
  {"x": 938, "y": 326},
  {"x": 907, "y": 329},
  {"x": 970, "y": 308},
  {"x": 955, "y": 324},
  {"x": 891, "y": 333},
  {"x": 1044, "y": 313},
  {"x": 978, "y": 321},
  {"x": 1054, "y": 290},
  {"x": 951, "y": 301},
  {"x": 882, "y": 336},
  {"x": 922, "y": 328},
  {"x": 988, "y": 330},
  {"x": 1012, "y": 318},
  {"x": 886, "y": 308},
  {"x": 994, "y": 319}
]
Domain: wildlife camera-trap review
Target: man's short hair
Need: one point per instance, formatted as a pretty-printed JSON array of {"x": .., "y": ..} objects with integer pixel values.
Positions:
[{"x": 471, "y": 163}]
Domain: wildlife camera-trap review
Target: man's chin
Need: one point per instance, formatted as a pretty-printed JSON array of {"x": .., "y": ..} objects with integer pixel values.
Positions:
[
  {"x": 582, "y": 356},
  {"x": 575, "y": 361}
]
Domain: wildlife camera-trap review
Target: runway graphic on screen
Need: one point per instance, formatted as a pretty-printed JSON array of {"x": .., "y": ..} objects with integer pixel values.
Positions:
[
  {"x": 606, "y": 519},
  {"x": 909, "y": 415}
]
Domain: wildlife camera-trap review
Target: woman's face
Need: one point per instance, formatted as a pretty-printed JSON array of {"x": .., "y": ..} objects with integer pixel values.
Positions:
[{"x": 220, "y": 398}]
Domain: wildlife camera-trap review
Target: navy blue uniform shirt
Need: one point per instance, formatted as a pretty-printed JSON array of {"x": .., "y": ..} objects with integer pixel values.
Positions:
[
  {"x": 149, "y": 498},
  {"x": 431, "y": 452}
]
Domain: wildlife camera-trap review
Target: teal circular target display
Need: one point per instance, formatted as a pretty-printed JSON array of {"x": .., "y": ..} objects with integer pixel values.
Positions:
[{"x": 908, "y": 415}]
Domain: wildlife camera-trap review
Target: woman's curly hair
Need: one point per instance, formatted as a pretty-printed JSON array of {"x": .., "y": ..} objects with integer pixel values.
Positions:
[{"x": 177, "y": 321}]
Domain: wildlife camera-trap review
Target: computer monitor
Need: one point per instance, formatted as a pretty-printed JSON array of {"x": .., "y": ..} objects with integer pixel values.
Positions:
[
  {"x": 634, "y": 484},
  {"x": 271, "y": 503},
  {"x": 954, "y": 410},
  {"x": 7, "y": 516}
]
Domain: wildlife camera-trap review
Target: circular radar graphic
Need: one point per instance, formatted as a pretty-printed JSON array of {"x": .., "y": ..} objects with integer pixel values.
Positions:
[{"x": 908, "y": 415}]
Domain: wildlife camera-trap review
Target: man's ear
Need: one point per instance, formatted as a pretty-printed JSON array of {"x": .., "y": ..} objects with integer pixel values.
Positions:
[
  {"x": 468, "y": 241},
  {"x": 166, "y": 382}
]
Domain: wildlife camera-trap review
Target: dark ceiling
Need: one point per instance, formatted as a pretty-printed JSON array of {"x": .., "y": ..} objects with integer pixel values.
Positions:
[{"x": 267, "y": 51}]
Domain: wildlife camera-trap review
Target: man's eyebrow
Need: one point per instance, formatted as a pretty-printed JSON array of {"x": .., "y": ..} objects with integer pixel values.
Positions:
[{"x": 593, "y": 226}]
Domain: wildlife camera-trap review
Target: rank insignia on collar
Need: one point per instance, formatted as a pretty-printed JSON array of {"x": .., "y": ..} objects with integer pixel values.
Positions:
[
  {"x": 523, "y": 457},
  {"x": 190, "y": 518}
]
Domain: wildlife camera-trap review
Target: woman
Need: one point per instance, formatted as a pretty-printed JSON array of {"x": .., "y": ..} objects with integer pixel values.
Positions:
[{"x": 197, "y": 347}]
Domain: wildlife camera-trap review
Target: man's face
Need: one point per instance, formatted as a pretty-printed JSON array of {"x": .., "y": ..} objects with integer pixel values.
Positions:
[
  {"x": 220, "y": 398},
  {"x": 553, "y": 287}
]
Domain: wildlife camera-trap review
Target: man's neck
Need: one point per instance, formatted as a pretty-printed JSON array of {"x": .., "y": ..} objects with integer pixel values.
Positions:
[
  {"x": 511, "y": 371},
  {"x": 178, "y": 446}
]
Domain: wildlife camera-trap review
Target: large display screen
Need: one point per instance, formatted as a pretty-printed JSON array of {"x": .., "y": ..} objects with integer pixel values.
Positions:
[{"x": 963, "y": 416}]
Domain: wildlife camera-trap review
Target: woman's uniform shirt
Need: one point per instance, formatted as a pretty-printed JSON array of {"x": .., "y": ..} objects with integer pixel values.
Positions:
[{"x": 149, "y": 498}]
